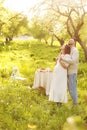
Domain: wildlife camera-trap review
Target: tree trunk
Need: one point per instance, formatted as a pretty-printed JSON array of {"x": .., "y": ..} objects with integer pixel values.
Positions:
[
  {"x": 59, "y": 39},
  {"x": 8, "y": 39},
  {"x": 46, "y": 41},
  {"x": 83, "y": 45},
  {"x": 51, "y": 41}
]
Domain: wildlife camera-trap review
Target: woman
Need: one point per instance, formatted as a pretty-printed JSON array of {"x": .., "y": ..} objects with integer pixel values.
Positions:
[{"x": 58, "y": 90}]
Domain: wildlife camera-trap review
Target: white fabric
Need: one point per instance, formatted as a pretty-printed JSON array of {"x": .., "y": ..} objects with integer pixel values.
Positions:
[
  {"x": 42, "y": 78},
  {"x": 73, "y": 60},
  {"x": 17, "y": 78},
  {"x": 58, "y": 89},
  {"x": 16, "y": 74}
]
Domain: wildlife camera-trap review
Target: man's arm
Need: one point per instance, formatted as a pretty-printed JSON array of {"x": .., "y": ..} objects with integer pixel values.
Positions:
[{"x": 73, "y": 58}]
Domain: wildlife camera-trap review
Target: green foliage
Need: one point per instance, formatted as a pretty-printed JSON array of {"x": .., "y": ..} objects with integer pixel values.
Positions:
[
  {"x": 15, "y": 24},
  {"x": 38, "y": 29},
  {"x": 21, "y": 107},
  {"x": 83, "y": 29}
]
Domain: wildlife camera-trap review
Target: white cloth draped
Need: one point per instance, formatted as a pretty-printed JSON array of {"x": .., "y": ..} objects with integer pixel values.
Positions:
[{"x": 43, "y": 78}]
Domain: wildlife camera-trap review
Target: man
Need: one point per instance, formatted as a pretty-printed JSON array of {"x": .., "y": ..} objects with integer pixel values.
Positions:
[{"x": 72, "y": 71}]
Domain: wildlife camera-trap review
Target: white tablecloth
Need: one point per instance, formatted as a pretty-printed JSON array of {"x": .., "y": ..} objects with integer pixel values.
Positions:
[{"x": 43, "y": 78}]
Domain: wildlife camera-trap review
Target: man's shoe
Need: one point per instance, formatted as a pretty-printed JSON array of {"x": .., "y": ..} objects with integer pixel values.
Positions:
[
  {"x": 75, "y": 104},
  {"x": 59, "y": 104}
]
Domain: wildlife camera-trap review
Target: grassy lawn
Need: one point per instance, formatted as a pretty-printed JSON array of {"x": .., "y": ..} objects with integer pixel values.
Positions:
[{"x": 21, "y": 107}]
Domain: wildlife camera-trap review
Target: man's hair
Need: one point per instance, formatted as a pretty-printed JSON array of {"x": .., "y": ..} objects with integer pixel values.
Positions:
[{"x": 67, "y": 49}]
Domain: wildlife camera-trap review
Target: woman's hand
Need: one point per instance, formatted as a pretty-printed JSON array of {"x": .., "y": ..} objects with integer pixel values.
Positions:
[{"x": 62, "y": 64}]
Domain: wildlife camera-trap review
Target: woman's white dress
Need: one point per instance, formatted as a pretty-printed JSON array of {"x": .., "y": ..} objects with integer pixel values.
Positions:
[{"x": 58, "y": 89}]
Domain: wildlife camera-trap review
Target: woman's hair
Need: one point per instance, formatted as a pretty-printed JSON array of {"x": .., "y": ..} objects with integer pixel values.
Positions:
[{"x": 67, "y": 49}]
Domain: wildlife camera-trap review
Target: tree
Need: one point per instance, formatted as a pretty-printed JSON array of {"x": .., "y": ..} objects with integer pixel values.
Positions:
[
  {"x": 38, "y": 29},
  {"x": 14, "y": 24},
  {"x": 72, "y": 15},
  {"x": 2, "y": 17}
]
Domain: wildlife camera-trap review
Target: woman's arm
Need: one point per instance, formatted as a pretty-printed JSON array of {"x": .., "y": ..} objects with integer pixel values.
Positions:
[{"x": 63, "y": 65}]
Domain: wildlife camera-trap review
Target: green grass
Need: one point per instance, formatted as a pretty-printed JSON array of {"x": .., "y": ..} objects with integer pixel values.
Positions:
[{"x": 21, "y": 107}]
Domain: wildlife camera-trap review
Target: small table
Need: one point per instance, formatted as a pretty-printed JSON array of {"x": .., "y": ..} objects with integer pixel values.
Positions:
[{"x": 43, "y": 79}]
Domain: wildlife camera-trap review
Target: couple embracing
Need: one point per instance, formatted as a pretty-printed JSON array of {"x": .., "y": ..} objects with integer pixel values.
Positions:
[{"x": 65, "y": 75}]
